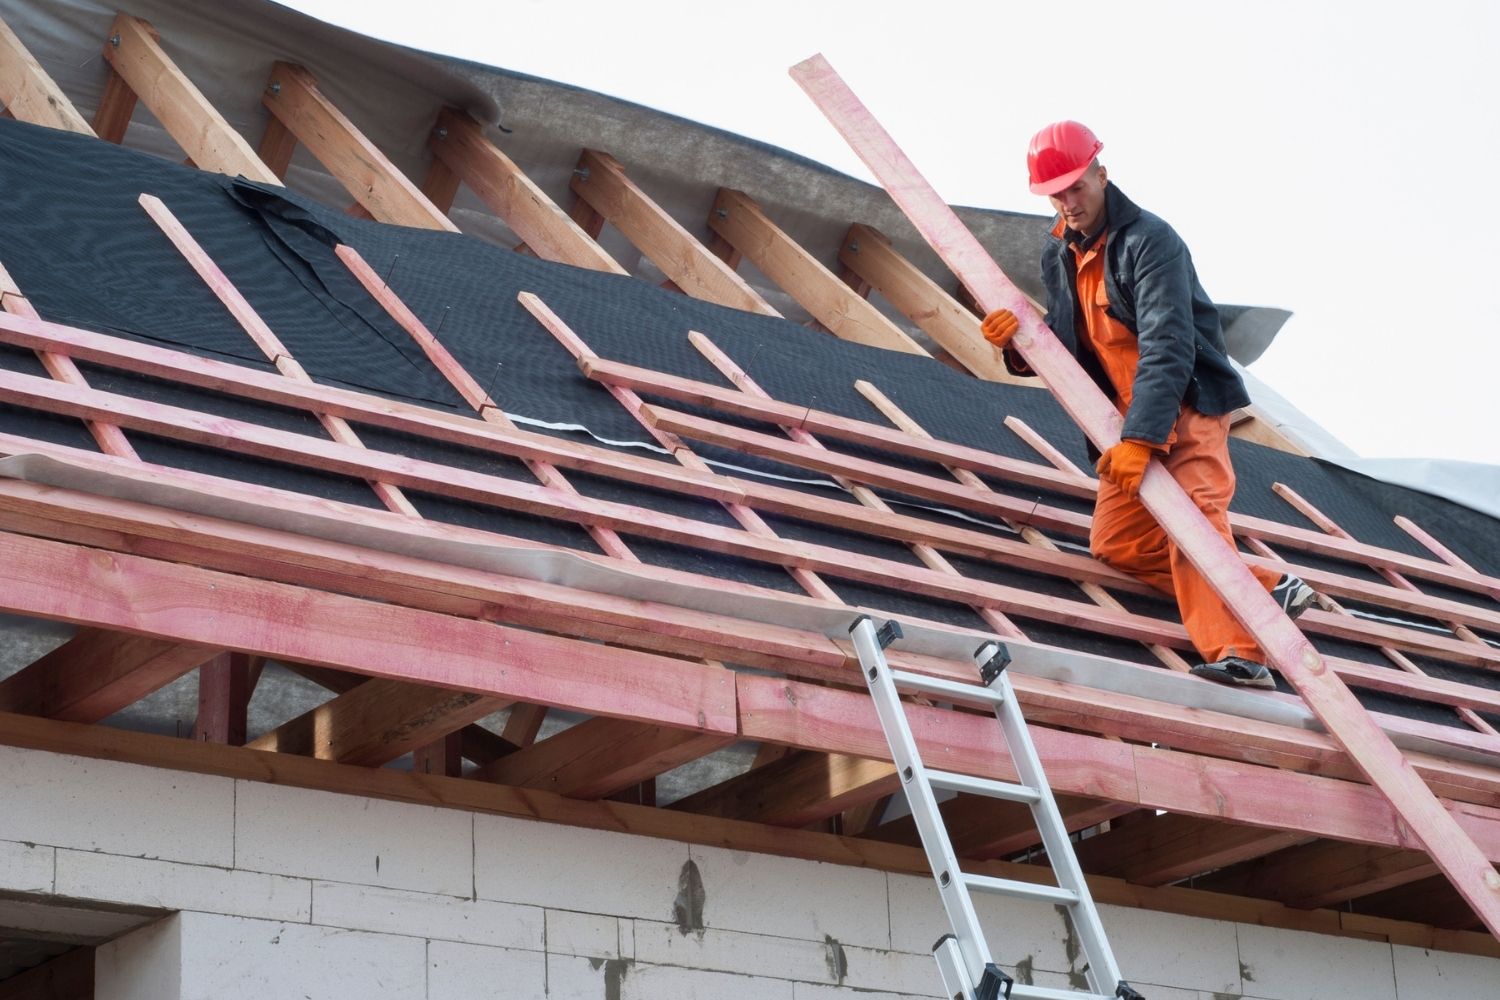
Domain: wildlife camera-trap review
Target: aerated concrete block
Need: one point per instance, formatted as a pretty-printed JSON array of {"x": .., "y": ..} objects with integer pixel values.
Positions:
[
  {"x": 26, "y": 867},
  {"x": 175, "y": 886},
  {"x": 1186, "y": 952},
  {"x": 588, "y": 935},
  {"x": 1422, "y": 972},
  {"x": 1290, "y": 965},
  {"x": 787, "y": 897},
  {"x": 474, "y": 972},
  {"x": 1030, "y": 934},
  {"x": 569, "y": 868},
  {"x": 418, "y": 914},
  {"x": 346, "y": 838},
  {"x": 739, "y": 952},
  {"x": 102, "y": 805}
]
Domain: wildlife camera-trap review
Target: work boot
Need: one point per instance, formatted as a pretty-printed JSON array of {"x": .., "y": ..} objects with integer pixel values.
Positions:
[
  {"x": 1236, "y": 670},
  {"x": 1293, "y": 595}
]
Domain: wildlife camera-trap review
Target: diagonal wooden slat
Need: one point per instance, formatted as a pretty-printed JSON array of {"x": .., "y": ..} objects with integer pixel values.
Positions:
[{"x": 29, "y": 93}]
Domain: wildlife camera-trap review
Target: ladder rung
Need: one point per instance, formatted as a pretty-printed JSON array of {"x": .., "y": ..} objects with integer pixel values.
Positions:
[
  {"x": 1022, "y": 890},
  {"x": 1022, "y": 992},
  {"x": 983, "y": 786},
  {"x": 948, "y": 689}
]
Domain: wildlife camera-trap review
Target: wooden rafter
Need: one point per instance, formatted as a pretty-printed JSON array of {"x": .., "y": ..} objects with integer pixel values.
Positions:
[
  {"x": 1163, "y": 849},
  {"x": 987, "y": 828},
  {"x": 292, "y": 95},
  {"x": 1324, "y": 873},
  {"x": 459, "y": 144},
  {"x": 134, "y": 52},
  {"x": 98, "y": 672},
  {"x": 28, "y": 93},
  {"x": 868, "y": 253},
  {"x": 599, "y": 757},
  {"x": 600, "y": 181},
  {"x": 796, "y": 790},
  {"x": 740, "y": 221},
  {"x": 377, "y": 721}
]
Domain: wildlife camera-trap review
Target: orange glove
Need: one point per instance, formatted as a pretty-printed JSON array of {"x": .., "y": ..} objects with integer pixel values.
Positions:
[
  {"x": 999, "y": 326},
  {"x": 1125, "y": 464}
]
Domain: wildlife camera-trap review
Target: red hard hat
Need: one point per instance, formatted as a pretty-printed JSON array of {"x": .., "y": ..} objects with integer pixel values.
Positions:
[{"x": 1059, "y": 155}]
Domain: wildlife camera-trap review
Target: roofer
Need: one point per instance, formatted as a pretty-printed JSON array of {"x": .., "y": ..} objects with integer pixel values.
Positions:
[{"x": 1123, "y": 297}]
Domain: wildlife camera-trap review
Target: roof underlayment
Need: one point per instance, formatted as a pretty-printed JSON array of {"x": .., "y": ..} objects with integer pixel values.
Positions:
[{"x": 426, "y": 440}]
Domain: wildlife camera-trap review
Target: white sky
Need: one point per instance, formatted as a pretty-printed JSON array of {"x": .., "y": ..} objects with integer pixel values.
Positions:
[{"x": 1331, "y": 158}]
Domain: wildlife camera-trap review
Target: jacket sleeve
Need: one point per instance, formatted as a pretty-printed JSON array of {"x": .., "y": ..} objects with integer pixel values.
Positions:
[
  {"x": 1166, "y": 335},
  {"x": 1015, "y": 364}
]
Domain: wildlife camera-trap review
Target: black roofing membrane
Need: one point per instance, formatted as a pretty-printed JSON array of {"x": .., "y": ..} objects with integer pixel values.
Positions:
[{"x": 86, "y": 254}]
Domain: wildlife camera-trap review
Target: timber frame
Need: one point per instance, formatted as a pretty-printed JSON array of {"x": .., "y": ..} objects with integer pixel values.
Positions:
[{"x": 1165, "y": 796}]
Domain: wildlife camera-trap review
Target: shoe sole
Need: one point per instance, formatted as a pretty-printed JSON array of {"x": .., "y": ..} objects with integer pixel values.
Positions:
[{"x": 1265, "y": 682}]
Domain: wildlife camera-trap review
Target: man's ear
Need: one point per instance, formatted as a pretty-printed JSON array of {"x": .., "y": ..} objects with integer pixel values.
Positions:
[{"x": 1103, "y": 174}]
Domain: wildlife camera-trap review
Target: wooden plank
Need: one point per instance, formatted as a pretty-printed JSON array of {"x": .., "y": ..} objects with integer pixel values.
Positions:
[
  {"x": 29, "y": 93},
  {"x": 277, "y": 147},
  {"x": 842, "y": 721},
  {"x": 191, "y": 605},
  {"x": 523, "y": 724},
  {"x": 599, "y": 757},
  {"x": 1470, "y": 871},
  {"x": 601, "y": 182},
  {"x": 224, "y": 686},
  {"x": 292, "y": 95},
  {"x": 98, "y": 672},
  {"x": 459, "y": 142},
  {"x": 1163, "y": 849},
  {"x": 1324, "y": 873},
  {"x": 377, "y": 721},
  {"x": 116, "y": 106},
  {"x": 134, "y": 51},
  {"x": 441, "y": 185},
  {"x": 443, "y": 755},
  {"x": 987, "y": 828},
  {"x": 740, "y": 221},
  {"x": 149, "y": 750},
  {"x": 868, "y": 253}
]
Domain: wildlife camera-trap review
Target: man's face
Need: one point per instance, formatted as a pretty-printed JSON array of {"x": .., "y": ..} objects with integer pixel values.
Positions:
[{"x": 1082, "y": 205}]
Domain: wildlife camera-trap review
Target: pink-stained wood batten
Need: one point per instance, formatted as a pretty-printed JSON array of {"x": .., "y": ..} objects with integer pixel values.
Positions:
[{"x": 1449, "y": 844}]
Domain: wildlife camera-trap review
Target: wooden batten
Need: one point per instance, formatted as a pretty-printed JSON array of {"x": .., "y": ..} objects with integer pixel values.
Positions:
[
  {"x": 601, "y": 183},
  {"x": 459, "y": 143},
  {"x": 292, "y": 95},
  {"x": 740, "y": 221},
  {"x": 133, "y": 50}
]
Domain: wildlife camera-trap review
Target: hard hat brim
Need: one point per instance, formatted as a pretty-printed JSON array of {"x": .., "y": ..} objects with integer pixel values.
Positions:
[{"x": 1062, "y": 181}]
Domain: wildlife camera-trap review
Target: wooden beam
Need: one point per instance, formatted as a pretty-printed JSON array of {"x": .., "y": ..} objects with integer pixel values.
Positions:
[
  {"x": 868, "y": 254},
  {"x": 191, "y": 605},
  {"x": 98, "y": 672},
  {"x": 599, "y": 757},
  {"x": 1452, "y": 847},
  {"x": 1168, "y": 848},
  {"x": 28, "y": 93},
  {"x": 987, "y": 828},
  {"x": 149, "y": 750},
  {"x": 224, "y": 687},
  {"x": 377, "y": 721},
  {"x": 134, "y": 51},
  {"x": 740, "y": 221},
  {"x": 292, "y": 95},
  {"x": 600, "y": 181},
  {"x": 796, "y": 790},
  {"x": 459, "y": 142},
  {"x": 441, "y": 185},
  {"x": 442, "y": 756},
  {"x": 277, "y": 147},
  {"x": 1323, "y": 873}
]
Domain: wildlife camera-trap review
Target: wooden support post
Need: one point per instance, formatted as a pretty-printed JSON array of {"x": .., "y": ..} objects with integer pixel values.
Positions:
[
  {"x": 292, "y": 95},
  {"x": 277, "y": 147},
  {"x": 441, "y": 185},
  {"x": 377, "y": 721},
  {"x": 600, "y": 181},
  {"x": 459, "y": 142},
  {"x": 224, "y": 686},
  {"x": 868, "y": 255},
  {"x": 599, "y": 757},
  {"x": 98, "y": 672},
  {"x": 1466, "y": 866},
  {"x": 133, "y": 50},
  {"x": 116, "y": 105},
  {"x": 29, "y": 94},
  {"x": 740, "y": 221},
  {"x": 442, "y": 756}
]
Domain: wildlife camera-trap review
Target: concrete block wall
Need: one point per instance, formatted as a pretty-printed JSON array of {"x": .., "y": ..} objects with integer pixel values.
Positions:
[{"x": 269, "y": 891}]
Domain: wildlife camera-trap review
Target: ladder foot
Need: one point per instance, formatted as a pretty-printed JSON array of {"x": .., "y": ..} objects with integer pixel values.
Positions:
[
  {"x": 995, "y": 984},
  {"x": 1124, "y": 991}
]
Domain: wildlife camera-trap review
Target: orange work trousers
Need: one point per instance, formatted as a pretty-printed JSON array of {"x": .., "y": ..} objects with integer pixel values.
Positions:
[{"x": 1127, "y": 537}]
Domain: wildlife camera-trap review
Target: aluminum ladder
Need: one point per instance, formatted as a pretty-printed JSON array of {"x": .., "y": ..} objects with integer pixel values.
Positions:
[{"x": 964, "y": 961}]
